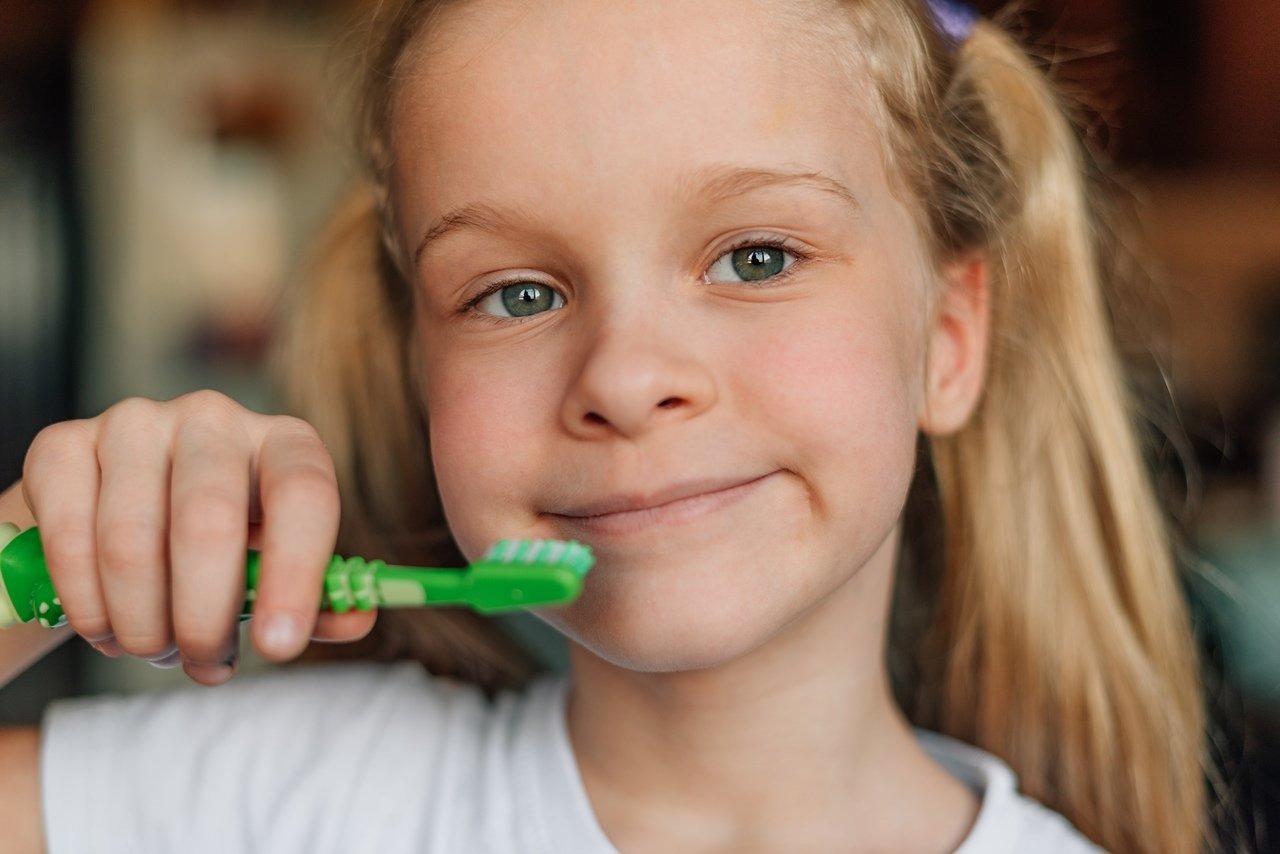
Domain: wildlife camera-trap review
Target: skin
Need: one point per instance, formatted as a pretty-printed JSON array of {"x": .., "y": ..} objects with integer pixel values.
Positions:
[
  {"x": 142, "y": 513},
  {"x": 753, "y": 618}
]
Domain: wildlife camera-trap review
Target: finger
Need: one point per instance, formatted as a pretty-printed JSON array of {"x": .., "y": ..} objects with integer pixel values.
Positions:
[
  {"x": 60, "y": 483},
  {"x": 133, "y": 510},
  {"x": 343, "y": 628},
  {"x": 209, "y": 518},
  {"x": 300, "y": 508}
]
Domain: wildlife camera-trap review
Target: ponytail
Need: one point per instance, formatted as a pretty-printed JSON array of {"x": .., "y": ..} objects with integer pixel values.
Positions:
[{"x": 1061, "y": 640}]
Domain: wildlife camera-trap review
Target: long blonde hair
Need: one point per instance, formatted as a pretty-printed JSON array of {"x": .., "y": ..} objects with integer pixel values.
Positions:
[
  {"x": 1056, "y": 632},
  {"x": 1061, "y": 640}
]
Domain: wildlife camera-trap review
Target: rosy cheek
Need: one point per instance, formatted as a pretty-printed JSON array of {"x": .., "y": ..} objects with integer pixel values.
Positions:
[
  {"x": 834, "y": 386},
  {"x": 468, "y": 420},
  {"x": 488, "y": 423},
  {"x": 820, "y": 363}
]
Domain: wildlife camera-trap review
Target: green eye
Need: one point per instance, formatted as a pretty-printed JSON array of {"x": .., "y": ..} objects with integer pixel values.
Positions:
[
  {"x": 520, "y": 299},
  {"x": 752, "y": 262}
]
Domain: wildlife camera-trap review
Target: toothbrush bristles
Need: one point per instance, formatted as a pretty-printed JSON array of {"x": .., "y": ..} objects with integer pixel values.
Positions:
[{"x": 569, "y": 553}]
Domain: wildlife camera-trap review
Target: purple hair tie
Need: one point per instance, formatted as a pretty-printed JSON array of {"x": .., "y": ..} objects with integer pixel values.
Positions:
[{"x": 955, "y": 19}]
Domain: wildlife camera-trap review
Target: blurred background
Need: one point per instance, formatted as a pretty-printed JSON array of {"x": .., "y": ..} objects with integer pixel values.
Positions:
[{"x": 162, "y": 163}]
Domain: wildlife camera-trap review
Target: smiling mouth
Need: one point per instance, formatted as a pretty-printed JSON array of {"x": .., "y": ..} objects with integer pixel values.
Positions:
[{"x": 635, "y": 515}]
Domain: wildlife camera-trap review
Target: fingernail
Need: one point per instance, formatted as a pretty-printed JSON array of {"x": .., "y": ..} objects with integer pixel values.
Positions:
[
  {"x": 280, "y": 634},
  {"x": 168, "y": 662},
  {"x": 209, "y": 674},
  {"x": 108, "y": 647}
]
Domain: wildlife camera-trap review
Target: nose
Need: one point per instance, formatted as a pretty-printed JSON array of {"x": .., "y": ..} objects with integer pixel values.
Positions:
[{"x": 636, "y": 377}]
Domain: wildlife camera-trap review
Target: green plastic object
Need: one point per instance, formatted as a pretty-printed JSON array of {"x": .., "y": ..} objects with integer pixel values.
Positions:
[{"x": 512, "y": 574}]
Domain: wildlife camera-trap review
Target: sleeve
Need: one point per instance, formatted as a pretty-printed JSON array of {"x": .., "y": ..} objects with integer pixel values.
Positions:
[{"x": 317, "y": 758}]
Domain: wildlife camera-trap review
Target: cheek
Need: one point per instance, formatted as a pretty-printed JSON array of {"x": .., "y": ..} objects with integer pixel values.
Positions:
[
  {"x": 487, "y": 430},
  {"x": 836, "y": 382},
  {"x": 838, "y": 390}
]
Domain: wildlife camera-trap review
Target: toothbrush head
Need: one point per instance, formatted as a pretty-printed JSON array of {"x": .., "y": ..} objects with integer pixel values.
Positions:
[
  {"x": 572, "y": 554},
  {"x": 528, "y": 573}
]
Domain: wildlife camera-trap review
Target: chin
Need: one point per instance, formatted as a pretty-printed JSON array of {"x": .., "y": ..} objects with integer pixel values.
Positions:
[{"x": 665, "y": 634}]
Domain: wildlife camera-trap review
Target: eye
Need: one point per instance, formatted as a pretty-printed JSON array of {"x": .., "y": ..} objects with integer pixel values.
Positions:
[
  {"x": 518, "y": 299},
  {"x": 754, "y": 260}
]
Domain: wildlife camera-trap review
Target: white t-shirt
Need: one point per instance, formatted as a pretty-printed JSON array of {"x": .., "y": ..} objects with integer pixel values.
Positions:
[{"x": 364, "y": 757}]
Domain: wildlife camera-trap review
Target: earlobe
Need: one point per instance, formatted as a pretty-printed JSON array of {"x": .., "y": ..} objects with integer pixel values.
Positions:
[{"x": 955, "y": 366}]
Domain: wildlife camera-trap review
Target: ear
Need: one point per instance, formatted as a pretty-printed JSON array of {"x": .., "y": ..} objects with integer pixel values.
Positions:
[{"x": 956, "y": 360}]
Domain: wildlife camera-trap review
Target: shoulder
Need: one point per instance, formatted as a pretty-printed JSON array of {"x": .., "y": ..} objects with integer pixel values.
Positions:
[
  {"x": 1007, "y": 820},
  {"x": 310, "y": 744}
]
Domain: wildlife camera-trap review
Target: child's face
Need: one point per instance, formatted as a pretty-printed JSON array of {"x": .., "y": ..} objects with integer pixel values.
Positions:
[{"x": 608, "y": 136}]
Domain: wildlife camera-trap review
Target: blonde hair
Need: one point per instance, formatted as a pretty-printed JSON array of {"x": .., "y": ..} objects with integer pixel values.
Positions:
[
  {"x": 1061, "y": 640},
  {"x": 1058, "y": 636}
]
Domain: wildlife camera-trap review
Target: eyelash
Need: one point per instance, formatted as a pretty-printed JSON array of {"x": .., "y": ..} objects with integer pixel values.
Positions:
[
  {"x": 801, "y": 258},
  {"x": 773, "y": 243}
]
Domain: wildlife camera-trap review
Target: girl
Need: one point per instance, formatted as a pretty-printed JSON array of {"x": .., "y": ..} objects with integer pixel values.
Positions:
[{"x": 715, "y": 287}]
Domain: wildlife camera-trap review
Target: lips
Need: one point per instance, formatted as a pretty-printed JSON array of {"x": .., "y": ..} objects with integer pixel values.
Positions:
[
  {"x": 626, "y": 512},
  {"x": 631, "y": 502}
]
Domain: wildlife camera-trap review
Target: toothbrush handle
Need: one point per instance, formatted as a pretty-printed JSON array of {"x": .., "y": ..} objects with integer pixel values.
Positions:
[
  {"x": 27, "y": 593},
  {"x": 359, "y": 584}
]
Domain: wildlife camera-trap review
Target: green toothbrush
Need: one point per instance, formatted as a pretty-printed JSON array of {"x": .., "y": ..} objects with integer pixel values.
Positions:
[{"x": 512, "y": 574}]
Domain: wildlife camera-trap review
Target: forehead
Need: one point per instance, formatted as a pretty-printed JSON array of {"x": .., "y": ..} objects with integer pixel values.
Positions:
[{"x": 582, "y": 101}]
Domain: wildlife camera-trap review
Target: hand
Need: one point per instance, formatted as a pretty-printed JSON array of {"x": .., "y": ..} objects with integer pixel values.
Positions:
[{"x": 146, "y": 511}]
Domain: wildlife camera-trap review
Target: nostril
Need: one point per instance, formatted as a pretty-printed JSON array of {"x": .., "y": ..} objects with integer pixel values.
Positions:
[
  {"x": 669, "y": 402},
  {"x": 593, "y": 418}
]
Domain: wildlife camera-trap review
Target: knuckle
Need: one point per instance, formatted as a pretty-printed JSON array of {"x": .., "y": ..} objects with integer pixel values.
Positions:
[
  {"x": 204, "y": 397},
  {"x": 220, "y": 430},
  {"x": 49, "y": 438},
  {"x": 210, "y": 415},
  {"x": 296, "y": 429},
  {"x": 56, "y": 440},
  {"x": 309, "y": 485},
  {"x": 210, "y": 405},
  {"x": 67, "y": 549},
  {"x": 134, "y": 407},
  {"x": 130, "y": 414},
  {"x": 211, "y": 516},
  {"x": 294, "y": 424},
  {"x": 129, "y": 545}
]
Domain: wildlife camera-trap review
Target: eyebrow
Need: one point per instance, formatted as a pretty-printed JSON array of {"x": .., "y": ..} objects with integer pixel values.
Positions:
[{"x": 714, "y": 183}]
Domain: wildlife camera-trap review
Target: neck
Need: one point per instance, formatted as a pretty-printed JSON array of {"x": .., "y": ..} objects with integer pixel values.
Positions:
[{"x": 799, "y": 736}]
